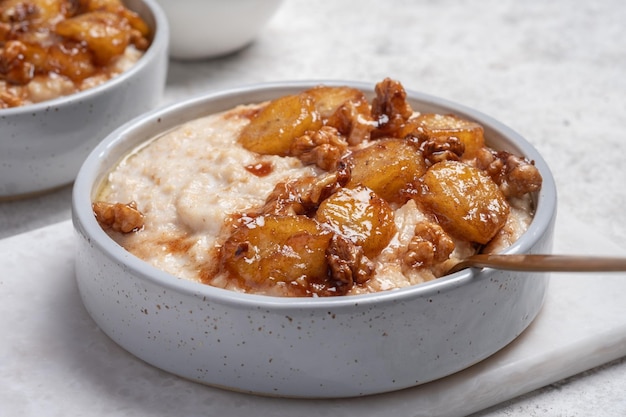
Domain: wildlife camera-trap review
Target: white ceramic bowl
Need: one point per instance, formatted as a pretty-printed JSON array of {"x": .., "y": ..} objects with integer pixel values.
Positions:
[
  {"x": 302, "y": 347},
  {"x": 43, "y": 145},
  {"x": 210, "y": 28}
]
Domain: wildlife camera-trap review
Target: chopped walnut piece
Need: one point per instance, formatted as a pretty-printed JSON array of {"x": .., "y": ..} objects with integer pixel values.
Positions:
[
  {"x": 323, "y": 186},
  {"x": 14, "y": 67},
  {"x": 347, "y": 263},
  {"x": 488, "y": 161},
  {"x": 283, "y": 200},
  {"x": 430, "y": 246},
  {"x": 124, "y": 218},
  {"x": 514, "y": 175},
  {"x": 323, "y": 147},
  {"x": 443, "y": 126},
  {"x": 390, "y": 108},
  {"x": 522, "y": 177},
  {"x": 304, "y": 194},
  {"x": 141, "y": 42},
  {"x": 441, "y": 148},
  {"x": 353, "y": 120},
  {"x": 9, "y": 100}
]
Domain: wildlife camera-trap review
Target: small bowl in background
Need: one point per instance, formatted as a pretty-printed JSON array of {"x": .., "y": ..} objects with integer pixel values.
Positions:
[
  {"x": 323, "y": 347},
  {"x": 43, "y": 145},
  {"x": 210, "y": 28}
]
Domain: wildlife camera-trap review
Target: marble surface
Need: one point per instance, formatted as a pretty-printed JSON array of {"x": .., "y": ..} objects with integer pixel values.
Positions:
[{"x": 553, "y": 71}]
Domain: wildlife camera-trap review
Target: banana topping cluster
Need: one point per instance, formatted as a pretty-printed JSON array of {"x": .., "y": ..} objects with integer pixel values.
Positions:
[{"x": 384, "y": 191}]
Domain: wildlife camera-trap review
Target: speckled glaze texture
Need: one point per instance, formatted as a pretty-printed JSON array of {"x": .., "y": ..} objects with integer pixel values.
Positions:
[
  {"x": 43, "y": 145},
  {"x": 315, "y": 348}
]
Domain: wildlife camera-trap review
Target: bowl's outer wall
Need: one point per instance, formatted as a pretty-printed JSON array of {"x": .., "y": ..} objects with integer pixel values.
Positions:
[
  {"x": 348, "y": 346},
  {"x": 43, "y": 145},
  {"x": 313, "y": 352}
]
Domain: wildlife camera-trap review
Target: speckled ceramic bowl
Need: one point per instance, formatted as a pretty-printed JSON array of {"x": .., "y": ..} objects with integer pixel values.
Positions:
[
  {"x": 43, "y": 145},
  {"x": 302, "y": 347}
]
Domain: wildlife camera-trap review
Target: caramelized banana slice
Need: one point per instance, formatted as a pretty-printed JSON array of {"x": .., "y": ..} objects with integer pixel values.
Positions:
[
  {"x": 389, "y": 167},
  {"x": 467, "y": 203},
  {"x": 76, "y": 65},
  {"x": 346, "y": 109},
  {"x": 116, "y": 6},
  {"x": 106, "y": 34},
  {"x": 359, "y": 215},
  {"x": 277, "y": 248},
  {"x": 278, "y": 124},
  {"x": 328, "y": 99},
  {"x": 445, "y": 125}
]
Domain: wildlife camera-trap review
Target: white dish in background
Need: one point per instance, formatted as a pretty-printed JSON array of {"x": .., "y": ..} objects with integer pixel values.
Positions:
[
  {"x": 210, "y": 28},
  {"x": 43, "y": 145}
]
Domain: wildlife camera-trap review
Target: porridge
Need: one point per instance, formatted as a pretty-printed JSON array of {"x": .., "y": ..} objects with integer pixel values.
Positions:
[
  {"x": 53, "y": 48},
  {"x": 316, "y": 194}
]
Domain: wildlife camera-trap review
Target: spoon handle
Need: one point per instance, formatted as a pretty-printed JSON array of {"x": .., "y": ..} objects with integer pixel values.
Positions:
[{"x": 543, "y": 263}]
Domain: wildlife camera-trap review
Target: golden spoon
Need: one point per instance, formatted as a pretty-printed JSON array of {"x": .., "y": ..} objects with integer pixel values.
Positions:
[{"x": 542, "y": 263}]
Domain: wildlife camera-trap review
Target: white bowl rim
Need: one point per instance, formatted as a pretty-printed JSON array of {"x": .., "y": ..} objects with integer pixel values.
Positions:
[
  {"x": 83, "y": 215},
  {"x": 161, "y": 36}
]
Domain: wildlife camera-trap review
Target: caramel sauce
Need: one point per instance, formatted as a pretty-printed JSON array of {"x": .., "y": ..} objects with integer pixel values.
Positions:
[
  {"x": 177, "y": 245},
  {"x": 243, "y": 112},
  {"x": 260, "y": 169}
]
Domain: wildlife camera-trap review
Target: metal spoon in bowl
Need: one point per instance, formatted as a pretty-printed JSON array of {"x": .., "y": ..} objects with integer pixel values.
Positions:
[{"x": 542, "y": 263}]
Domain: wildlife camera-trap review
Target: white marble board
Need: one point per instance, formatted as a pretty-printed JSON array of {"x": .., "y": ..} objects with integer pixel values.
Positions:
[{"x": 54, "y": 361}]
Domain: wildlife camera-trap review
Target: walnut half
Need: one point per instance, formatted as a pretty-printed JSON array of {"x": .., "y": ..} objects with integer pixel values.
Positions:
[
  {"x": 323, "y": 147},
  {"x": 430, "y": 246},
  {"x": 516, "y": 176},
  {"x": 124, "y": 218},
  {"x": 347, "y": 263}
]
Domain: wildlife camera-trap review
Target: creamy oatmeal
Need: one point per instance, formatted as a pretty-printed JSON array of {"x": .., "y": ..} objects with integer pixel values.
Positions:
[
  {"x": 53, "y": 48},
  {"x": 316, "y": 194}
]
